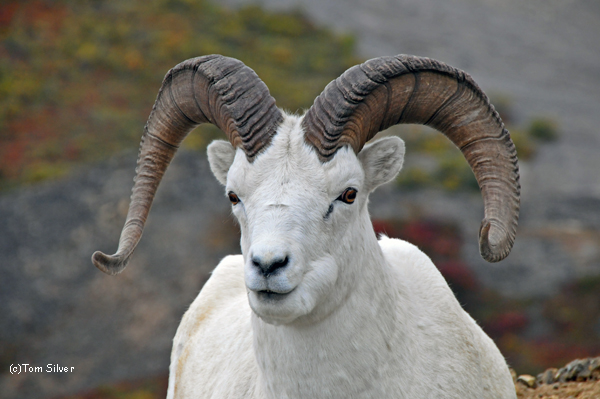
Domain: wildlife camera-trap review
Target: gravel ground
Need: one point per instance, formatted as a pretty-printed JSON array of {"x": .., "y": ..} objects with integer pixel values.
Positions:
[
  {"x": 579, "y": 390},
  {"x": 578, "y": 379}
]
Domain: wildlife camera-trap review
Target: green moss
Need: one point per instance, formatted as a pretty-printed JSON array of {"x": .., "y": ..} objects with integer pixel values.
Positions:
[
  {"x": 454, "y": 173},
  {"x": 524, "y": 144},
  {"x": 40, "y": 171},
  {"x": 414, "y": 178},
  {"x": 543, "y": 129}
]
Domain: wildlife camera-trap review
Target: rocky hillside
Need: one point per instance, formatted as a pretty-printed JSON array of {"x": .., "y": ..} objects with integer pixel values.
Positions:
[{"x": 59, "y": 309}]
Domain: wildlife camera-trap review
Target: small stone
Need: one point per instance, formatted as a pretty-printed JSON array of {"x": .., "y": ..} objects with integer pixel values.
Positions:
[
  {"x": 539, "y": 380},
  {"x": 594, "y": 364},
  {"x": 573, "y": 369},
  {"x": 561, "y": 375},
  {"x": 527, "y": 379},
  {"x": 547, "y": 377},
  {"x": 586, "y": 372}
]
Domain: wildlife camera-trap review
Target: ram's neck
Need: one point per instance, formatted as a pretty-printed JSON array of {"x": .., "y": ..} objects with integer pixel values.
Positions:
[{"x": 345, "y": 353}]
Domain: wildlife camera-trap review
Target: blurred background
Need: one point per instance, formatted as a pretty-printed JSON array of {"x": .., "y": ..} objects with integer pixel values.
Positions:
[{"x": 78, "y": 80}]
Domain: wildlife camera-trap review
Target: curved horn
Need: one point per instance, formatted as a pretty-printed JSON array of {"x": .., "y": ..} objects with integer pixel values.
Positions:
[
  {"x": 215, "y": 89},
  {"x": 385, "y": 91}
]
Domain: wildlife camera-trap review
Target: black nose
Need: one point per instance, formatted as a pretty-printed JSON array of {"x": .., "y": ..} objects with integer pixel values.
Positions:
[{"x": 270, "y": 266}]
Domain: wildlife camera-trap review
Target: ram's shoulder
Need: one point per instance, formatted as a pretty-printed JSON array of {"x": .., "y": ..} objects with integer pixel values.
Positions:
[
  {"x": 413, "y": 266},
  {"x": 402, "y": 254},
  {"x": 226, "y": 280},
  {"x": 212, "y": 350}
]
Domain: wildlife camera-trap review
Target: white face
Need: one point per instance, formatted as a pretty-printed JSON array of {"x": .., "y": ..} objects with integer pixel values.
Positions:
[{"x": 297, "y": 217}]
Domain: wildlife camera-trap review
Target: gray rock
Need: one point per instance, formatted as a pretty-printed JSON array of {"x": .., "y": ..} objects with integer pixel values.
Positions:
[{"x": 547, "y": 377}]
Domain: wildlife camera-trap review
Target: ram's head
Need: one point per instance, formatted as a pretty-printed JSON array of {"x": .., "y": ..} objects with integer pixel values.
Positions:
[{"x": 299, "y": 185}]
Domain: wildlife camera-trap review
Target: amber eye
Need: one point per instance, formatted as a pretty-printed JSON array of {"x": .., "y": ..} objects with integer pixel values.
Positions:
[
  {"x": 348, "y": 196},
  {"x": 233, "y": 197}
]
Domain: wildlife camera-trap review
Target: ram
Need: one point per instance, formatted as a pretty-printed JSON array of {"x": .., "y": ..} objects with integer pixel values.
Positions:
[{"x": 316, "y": 306}]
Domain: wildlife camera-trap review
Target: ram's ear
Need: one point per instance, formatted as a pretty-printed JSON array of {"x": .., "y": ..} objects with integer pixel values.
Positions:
[
  {"x": 381, "y": 161},
  {"x": 220, "y": 157}
]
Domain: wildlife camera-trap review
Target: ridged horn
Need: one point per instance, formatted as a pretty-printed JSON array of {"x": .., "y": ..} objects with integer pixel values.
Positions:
[
  {"x": 386, "y": 91},
  {"x": 214, "y": 89}
]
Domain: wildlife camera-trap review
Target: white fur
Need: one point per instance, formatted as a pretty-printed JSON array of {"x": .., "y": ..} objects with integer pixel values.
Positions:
[{"x": 357, "y": 318}]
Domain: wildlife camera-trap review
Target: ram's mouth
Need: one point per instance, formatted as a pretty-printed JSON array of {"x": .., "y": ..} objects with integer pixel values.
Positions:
[{"x": 272, "y": 295}]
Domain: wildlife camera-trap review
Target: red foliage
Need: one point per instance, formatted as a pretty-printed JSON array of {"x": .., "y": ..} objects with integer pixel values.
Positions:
[
  {"x": 34, "y": 131},
  {"x": 384, "y": 227},
  {"x": 43, "y": 12},
  {"x": 459, "y": 274},
  {"x": 72, "y": 152},
  {"x": 11, "y": 157},
  {"x": 7, "y": 12},
  {"x": 421, "y": 233},
  {"x": 556, "y": 352},
  {"x": 441, "y": 242},
  {"x": 508, "y": 322}
]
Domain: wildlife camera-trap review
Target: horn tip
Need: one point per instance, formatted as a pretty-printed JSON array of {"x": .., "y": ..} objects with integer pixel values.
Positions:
[
  {"x": 492, "y": 247},
  {"x": 109, "y": 264}
]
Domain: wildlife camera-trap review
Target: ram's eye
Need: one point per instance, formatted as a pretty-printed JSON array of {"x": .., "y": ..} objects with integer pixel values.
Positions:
[
  {"x": 348, "y": 196},
  {"x": 233, "y": 197}
]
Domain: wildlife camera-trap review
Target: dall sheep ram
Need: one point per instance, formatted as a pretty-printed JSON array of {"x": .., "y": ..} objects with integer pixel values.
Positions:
[{"x": 316, "y": 306}]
